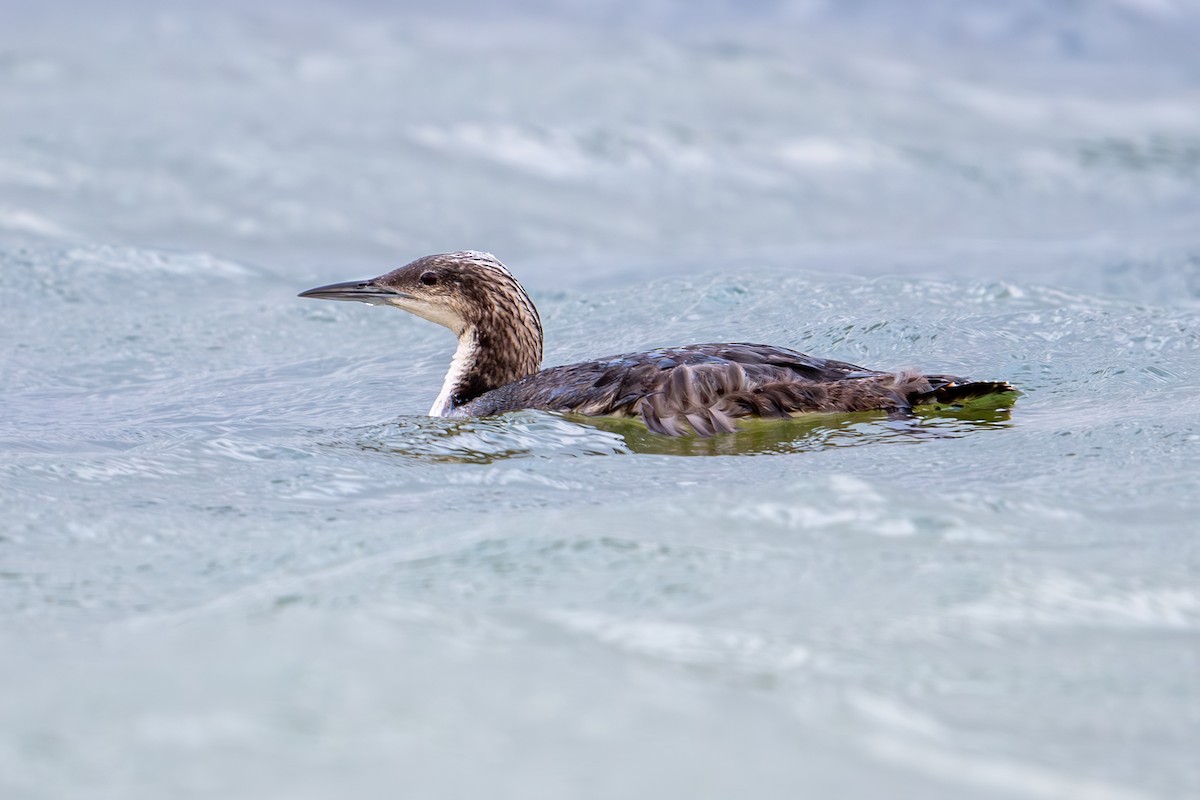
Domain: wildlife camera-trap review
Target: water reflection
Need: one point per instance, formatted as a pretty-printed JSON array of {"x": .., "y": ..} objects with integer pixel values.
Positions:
[
  {"x": 532, "y": 434},
  {"x": 811, "y": 433}
]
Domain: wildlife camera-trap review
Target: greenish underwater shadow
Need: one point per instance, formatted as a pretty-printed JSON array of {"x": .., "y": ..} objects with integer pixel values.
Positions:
[
  {"x": 535, "y": 434},
  {"x": 811, "y": 432}
]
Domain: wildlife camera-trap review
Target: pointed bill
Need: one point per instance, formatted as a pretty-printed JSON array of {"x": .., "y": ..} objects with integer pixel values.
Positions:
[{"x": 367, "y": 291}]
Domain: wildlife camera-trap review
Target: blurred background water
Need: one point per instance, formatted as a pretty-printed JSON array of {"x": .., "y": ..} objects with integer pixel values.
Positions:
[{"x": 236, "y": 561}]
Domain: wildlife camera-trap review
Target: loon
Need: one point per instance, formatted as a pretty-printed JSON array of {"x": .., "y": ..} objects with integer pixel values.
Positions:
[{"x": 697, "y": 389}]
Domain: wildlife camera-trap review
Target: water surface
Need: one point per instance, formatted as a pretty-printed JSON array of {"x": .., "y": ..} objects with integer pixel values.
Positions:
[{"x": 237, "y": 560}]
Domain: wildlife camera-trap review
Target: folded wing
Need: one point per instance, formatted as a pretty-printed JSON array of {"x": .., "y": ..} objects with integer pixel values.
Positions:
[{"x": 705, "y": 388}]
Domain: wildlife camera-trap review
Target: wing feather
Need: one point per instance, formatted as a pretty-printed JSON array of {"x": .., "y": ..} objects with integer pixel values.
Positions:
[{"x": 706, "y": 388}]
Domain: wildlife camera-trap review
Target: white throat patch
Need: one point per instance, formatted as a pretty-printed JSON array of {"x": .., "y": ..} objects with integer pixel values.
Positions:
[{"x": 464, "y": 357}]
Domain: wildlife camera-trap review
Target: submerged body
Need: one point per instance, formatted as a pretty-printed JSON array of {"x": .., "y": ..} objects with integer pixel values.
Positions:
[{"x": 701, "y": 388}]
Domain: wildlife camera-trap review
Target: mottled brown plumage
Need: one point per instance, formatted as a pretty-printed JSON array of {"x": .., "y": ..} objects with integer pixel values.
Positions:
[{"x": 700, "y": 388}]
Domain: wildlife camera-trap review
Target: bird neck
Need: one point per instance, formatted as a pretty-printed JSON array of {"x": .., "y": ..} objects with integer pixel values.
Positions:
[{"x": 491, "y": 353}]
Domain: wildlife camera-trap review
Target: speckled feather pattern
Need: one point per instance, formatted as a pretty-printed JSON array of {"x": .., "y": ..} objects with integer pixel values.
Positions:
[{"x": 495, "y": 312}]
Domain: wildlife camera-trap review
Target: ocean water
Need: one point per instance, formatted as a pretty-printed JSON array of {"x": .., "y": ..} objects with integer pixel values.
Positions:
[{"x": 237, "y": 561}]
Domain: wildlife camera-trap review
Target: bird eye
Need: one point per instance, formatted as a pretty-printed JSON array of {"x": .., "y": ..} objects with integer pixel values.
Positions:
[{"x": 429, "y": 278}]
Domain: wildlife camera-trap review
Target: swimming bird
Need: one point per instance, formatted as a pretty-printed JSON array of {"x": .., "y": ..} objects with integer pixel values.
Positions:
[{"x": 698, "y": 388}]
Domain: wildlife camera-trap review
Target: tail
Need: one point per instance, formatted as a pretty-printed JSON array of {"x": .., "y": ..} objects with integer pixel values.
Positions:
[{"x": 954, "y": 392}]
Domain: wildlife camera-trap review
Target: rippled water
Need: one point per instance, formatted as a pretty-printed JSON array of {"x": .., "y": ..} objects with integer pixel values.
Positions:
[{"x": 236, "y": 560}]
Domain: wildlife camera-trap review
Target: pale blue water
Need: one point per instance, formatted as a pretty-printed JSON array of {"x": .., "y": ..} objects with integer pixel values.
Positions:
[{"x": 236, "y": 561}]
